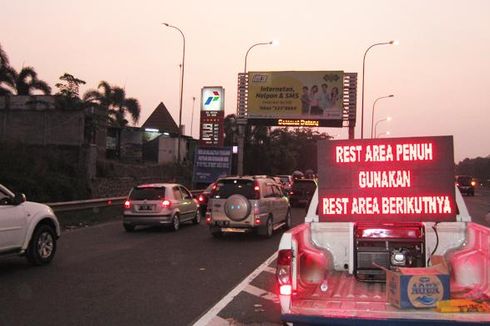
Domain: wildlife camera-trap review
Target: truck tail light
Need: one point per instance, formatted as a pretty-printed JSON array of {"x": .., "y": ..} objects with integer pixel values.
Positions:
[
  {"x": 208, "y": 217},
  {"x": 283, "y": 271},
  {"x": 127, "y": 204},
  {"x": 166, "y": 203}
]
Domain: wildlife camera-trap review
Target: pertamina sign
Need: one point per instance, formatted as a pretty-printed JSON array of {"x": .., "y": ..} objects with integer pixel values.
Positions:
[
  {"x": 212, "y": 116},
  {"x": 391, "y": 179}
]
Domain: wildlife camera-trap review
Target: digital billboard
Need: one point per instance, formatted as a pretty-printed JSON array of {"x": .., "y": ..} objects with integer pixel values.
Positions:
[
  {"x": 212, "y": 116},
  {"x": 296, "y": 96},
  {"x": 391, "y": 179}
]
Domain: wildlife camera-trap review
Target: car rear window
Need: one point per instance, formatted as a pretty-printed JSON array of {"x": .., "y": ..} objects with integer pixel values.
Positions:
[
  {"x": 284, "y": 179},
  {"x": 226, "y": 188},
  {"x": 148, "y": 193},
  {"x": 308, "y": 185},
  {"x": 464, "y": 181}
]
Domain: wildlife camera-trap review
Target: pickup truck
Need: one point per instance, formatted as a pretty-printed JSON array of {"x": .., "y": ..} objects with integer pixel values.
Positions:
[{"x": 334, "y": 272}]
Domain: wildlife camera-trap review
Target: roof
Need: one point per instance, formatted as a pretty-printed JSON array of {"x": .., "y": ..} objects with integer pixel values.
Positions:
[{"x": 162, "y": 120}]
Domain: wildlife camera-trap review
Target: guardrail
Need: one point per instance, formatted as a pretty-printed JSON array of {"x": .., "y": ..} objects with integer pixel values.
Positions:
[{"x": 93, "y": 203}]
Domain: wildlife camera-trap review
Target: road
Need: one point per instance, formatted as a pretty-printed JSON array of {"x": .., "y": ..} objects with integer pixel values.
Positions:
[{"x": 102, "y": 275}]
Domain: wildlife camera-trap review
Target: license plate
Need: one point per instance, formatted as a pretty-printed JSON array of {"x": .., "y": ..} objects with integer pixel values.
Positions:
[{"x": 145, "y": 207}]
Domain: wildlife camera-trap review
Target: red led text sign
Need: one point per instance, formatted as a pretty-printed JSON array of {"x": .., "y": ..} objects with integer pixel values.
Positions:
[{"x": 391, "y": 179}]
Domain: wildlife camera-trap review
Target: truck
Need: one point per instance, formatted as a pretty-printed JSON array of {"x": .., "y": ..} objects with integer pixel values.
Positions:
[{"x": 384, "y": 207}]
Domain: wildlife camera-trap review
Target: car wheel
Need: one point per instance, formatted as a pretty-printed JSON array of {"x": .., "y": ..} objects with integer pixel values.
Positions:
[
  {"x": 267, "y": 230},
  {"x": 175, "y": 223},
  {"x": 288, "y": 221},
  {"x": 129, "y": 227},
  {"x": 197, "y": 218},
  {"x": 42, "y": 246}
]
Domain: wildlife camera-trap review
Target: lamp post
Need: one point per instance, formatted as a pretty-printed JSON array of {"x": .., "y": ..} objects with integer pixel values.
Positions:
[
  {"x": 372, "y": 114},
  {"x": 192, "y": 117},
  {"x": 241, "y": 127},
  {"x": 383, "y": 133},
  {"x": 250, "y": 48},
  {"x": 181, "y": 89},
  {"x": 363, "y": 75},
  {"x": 378, "y": 122}
]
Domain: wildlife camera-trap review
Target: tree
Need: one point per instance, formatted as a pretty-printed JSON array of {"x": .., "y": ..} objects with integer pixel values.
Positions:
[
  {"x": 6, "y": 81},
  {"x": 114, "y": 100},
  {"x": 68, "y": 94},
  {"x": 26, "y": 82}
]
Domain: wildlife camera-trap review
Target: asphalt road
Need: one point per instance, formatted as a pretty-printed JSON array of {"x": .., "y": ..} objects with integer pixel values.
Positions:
[{"x": 102, "y": 275}]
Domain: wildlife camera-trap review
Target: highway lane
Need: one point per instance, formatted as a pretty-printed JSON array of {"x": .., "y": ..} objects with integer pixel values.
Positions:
[{"x": 102, "y": 275}]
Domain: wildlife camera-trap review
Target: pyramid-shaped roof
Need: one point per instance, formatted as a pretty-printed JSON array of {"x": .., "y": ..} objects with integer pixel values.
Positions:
[{"x": 162, "y": 120}]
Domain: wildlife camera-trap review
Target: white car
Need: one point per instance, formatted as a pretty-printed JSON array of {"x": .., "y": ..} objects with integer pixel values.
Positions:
[{"x": 27, "y": 228}]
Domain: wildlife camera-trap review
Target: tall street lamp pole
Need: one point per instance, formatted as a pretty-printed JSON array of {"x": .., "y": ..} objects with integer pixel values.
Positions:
[
  {"x": 192, "y": 117},
  {"x": 363, "y": 75},
  {"x": 372, "y": 114},
  {"x": 378, "y": 122},
  {"x": 181, "y": 89},
  {"x": 241, "y": 127}
]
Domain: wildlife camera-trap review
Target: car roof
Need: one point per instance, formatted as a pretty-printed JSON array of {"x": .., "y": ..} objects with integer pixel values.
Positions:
[{"x": 157, "y": 185}]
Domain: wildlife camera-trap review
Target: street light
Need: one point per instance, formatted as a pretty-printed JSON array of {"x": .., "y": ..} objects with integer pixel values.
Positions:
[
  {"x": 192, "y": 116},
  {"x": 241, "y": 131},
  {"x": 363, "y": 75},
  {"x": 372, "y": 114},
  {"x": 181, "y": 89},
  {"x": 378, "y": 122},
  {"x": 250, "y": 48},
  {"x": 383, "y": 133}
]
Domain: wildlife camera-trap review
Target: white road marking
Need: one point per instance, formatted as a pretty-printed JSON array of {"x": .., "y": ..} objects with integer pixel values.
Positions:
[
  {"x": 261, "y": 293},
  {"x": 212, "y": 314},
  {"x": 271, "y": 270}
]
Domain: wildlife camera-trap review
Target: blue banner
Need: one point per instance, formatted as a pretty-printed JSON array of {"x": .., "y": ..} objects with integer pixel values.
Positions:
[{"x": 211, "y": 163}]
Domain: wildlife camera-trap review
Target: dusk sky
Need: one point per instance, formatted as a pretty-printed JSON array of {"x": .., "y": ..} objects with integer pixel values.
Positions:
[{"x": 439, "y": 73}]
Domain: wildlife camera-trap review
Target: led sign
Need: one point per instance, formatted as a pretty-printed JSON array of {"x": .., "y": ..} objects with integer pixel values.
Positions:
[
  {"x": 298, "y": 123},
  {"x": 409, "y": 179}
]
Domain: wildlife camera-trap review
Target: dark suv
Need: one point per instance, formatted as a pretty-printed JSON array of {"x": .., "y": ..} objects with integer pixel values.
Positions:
[
  {"x": 241, "y": 204},
  {"x": 302, "y": 191},
  {"x": 466, "y": 185}
]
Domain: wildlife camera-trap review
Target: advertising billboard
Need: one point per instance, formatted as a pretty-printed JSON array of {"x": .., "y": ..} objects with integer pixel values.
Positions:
[
  {"x": 211, "y": 163},
  {"x": 212, "y": 116},
  {"x": 299, "y": 97},
  {"x": 390, "y": 179}
]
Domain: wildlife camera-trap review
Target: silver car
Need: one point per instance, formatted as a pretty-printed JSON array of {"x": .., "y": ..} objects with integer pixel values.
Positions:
[
  {"x": 241, "y": 204},
  {"x": 160, "y": 204}
]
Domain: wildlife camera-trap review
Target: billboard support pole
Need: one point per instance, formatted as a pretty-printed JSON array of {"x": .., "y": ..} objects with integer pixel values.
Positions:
[{"x": 241, "y": 144}]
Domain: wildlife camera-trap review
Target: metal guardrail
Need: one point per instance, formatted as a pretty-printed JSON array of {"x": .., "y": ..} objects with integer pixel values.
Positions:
[{"x": 93, "y": 203}]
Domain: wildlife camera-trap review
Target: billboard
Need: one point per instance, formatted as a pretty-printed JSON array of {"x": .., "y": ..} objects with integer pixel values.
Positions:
[
  {"x": 296, "y": 96},
  {"x": 212, "y": 116},
  {"x": 387, "y": 180},
  {"x": 211, "y": 163}
]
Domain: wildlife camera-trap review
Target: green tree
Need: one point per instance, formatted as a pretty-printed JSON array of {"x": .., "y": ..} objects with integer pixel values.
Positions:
[
  {"x": 68, "y": 94},
  {"x": 6, "y": 80}
]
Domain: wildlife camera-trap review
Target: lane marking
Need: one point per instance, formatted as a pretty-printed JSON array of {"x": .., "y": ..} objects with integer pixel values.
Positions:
[
  {"x": 213, "y": 312},
  {"x": 258, "y": 292},
  {"x": 271, "y": 270}
]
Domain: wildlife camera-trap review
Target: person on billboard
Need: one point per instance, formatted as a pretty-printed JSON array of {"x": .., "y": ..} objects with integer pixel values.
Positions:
[
  {"x": 305, "y": 101},
  {"x": 315, "y": 101},
  {"x": 332, "y": 110},
  {"x": 324, "y": 98}
]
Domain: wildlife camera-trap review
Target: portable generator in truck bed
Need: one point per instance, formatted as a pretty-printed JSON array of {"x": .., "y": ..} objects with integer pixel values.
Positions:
[{"x": 389, "y": 245}]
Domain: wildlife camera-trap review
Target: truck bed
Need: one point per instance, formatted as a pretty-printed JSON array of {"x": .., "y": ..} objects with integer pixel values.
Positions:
[{"x": 347, "y": 298}]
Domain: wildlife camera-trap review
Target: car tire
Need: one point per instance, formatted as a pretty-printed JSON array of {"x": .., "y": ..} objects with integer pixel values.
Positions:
[
  {"x": 197, "y": 218},
  {"x": 288, "y": 221},
  {"x": 42, "y": 247},
  {"x": 267, "y": 230},
  {"x": 129, "y": 227},
  {"x": 175, "y": 223}
]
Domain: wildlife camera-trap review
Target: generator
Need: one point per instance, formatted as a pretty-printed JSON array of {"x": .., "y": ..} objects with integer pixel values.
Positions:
[{"x": 390, "y": 245}]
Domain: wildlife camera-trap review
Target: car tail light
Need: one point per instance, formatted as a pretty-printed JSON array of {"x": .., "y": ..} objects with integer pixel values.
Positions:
[
  {"x": 166, "y": 203},
  {"x": 257, "y": 190},
  {"x": 127, "y": 204},
  {"x": 208, "y": 217},
  {"x": 257, "y": 221},
  {"x": 473, "y": 183},
  {"x": 283, "y": 271},
  {"x": 201, "y": 198}
]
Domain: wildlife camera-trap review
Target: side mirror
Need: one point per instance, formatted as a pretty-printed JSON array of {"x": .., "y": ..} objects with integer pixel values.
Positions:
[{"x": 19, "y": 199}]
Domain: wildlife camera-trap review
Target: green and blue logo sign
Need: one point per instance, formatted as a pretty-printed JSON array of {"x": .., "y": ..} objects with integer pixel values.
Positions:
[{"x": 212, "y": 99}]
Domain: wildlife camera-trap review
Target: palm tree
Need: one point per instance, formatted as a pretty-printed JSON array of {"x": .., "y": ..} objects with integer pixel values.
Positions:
[
  {"x": 114, "y": 100},
  {"x": 6, "y": 82},
  {"x": 26, "y": 81}
]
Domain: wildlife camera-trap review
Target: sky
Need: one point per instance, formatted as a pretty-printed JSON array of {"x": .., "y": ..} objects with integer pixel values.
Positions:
[{"x": 439, "y": 73}]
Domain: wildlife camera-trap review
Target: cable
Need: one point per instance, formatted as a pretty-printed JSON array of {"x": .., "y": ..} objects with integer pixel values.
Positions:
[{"x": 437, "y": 241}]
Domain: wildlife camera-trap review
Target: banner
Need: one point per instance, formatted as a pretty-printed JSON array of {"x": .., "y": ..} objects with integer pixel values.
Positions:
[
  {"x": 211, "y": 163},
  {"x": 310, "y": 95},
  {"x": 387, "y": 180}
]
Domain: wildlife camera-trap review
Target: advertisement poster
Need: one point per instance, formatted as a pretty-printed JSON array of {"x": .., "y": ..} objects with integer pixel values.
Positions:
[
  {"x": 316, "y": 95},
  {"x": 211, "y": 163},
  {"x": 392, "y": 179}
]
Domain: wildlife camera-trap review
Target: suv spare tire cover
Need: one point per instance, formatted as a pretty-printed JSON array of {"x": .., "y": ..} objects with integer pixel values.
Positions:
[{"x": 237, "y": 208}]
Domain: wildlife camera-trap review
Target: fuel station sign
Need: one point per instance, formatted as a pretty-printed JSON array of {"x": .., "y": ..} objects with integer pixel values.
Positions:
[
  {"x": 391, "y": 179},
  {"x": 212, "y": 116}
]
